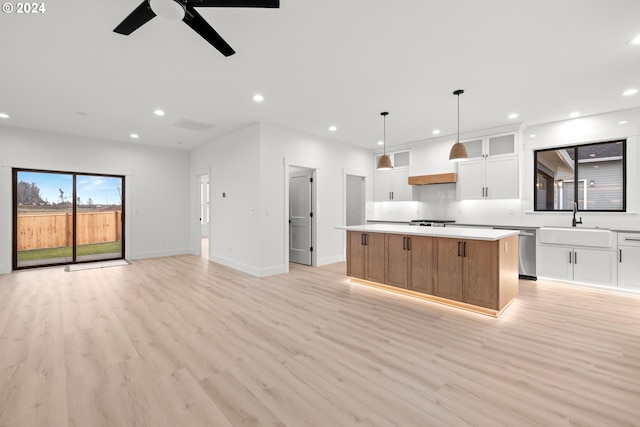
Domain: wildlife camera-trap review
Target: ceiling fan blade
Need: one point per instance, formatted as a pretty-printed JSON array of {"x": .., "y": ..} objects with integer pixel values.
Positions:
[
  {"x": 202, "y": 27},
  {"x": 234, "y": 3},
  {"x": 136, "y": 19}
]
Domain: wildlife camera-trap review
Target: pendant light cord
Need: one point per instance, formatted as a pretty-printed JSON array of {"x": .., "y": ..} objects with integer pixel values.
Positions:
[
  {"x": 458, "y": 93},
  {"x": 458, "y": 118},
  {"x": 384, "y": 132}
]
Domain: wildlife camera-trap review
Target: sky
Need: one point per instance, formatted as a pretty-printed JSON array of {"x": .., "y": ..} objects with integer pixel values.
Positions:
[{"x": 101, "y": 189}]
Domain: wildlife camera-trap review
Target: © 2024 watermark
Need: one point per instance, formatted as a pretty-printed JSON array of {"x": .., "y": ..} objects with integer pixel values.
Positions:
[{"x": 24, "y": 8}]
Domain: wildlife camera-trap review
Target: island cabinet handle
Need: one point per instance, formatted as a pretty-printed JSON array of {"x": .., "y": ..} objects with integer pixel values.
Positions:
[
  {"x": 459, "y": 248},
  {"x": 406, "y": 243},
  {"x": 464, "y": 249}
]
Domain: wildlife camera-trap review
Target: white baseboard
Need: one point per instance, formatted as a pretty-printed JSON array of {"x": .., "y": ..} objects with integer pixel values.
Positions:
[
  {"x": 331, "y": 260},
  {"x": 257, "y": 272}
]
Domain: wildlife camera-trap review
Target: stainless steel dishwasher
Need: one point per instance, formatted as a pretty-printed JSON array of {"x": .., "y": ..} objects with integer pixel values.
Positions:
[{"x": 526, "y": 251}]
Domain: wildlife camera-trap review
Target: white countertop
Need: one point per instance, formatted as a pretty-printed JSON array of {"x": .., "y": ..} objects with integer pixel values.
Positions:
[{"x": 450, "y": 232}]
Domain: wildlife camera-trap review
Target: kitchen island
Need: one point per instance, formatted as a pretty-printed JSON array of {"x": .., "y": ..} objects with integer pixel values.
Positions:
[{"x": 470, "y": 268}]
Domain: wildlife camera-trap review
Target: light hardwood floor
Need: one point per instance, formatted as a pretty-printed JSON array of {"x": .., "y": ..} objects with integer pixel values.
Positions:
[{"x": 180, "y": 341}]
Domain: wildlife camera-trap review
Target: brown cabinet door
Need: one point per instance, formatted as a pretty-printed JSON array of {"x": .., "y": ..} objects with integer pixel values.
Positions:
[
  {"x": 355, "y": 254},
  {"x": 374, "y": 257},
  {"x": 447, "y": 263},
  {"x": 397, "y": 258},
  {"x": 420, "y": 264},
  {"x": 480, "y": 282}
]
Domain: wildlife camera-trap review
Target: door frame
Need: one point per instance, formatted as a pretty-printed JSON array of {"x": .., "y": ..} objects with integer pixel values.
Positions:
[
  {"x": 314, "y": 207},
  {"x": 196, "y": 228},
  {"x": 363, "y": 200},
  {"x": 74, "y": 174},
  {"x": 362, "y": 174},
  {"x": 312, "y": 232}
]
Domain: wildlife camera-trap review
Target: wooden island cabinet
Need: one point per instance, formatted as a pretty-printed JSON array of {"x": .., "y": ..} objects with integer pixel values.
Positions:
[
  {"x": 408, "y": 262},
  {"x": 474, "y": 269},
  {"x": 367, "y": 254}
]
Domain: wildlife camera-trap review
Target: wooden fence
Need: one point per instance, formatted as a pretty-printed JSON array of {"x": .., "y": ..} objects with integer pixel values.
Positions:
[{"x": 54, "y": 230}]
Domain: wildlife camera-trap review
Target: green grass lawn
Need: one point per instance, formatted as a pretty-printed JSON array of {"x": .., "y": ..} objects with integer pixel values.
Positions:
[{"x": 81, "y": 250}]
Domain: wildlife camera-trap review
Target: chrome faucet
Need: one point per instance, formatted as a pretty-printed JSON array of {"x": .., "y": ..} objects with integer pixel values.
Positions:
[{"x": 575, "y": 222}]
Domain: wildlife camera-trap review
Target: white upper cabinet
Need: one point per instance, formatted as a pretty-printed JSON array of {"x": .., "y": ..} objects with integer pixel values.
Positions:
[
  {"x": 491, "y": 172},
  {"x": 392, "y": 185}
]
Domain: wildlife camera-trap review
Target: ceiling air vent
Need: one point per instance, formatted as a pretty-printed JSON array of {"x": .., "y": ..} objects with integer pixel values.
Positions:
[{"x": 193, "y": 125}]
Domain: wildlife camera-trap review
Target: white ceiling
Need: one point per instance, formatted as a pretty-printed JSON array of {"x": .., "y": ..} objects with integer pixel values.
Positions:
[{"x": 318, "y": 63}]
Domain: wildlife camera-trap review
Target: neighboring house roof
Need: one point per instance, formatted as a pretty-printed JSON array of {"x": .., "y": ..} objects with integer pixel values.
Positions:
[{"x": 36, "y": 201}]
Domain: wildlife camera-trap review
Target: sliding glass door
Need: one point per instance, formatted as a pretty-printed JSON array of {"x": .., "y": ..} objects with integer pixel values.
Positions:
[{"x": 66, "y": 217}]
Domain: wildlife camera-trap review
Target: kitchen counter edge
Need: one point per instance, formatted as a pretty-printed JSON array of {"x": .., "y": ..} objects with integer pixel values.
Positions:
[{"x": 452, "y": 233}]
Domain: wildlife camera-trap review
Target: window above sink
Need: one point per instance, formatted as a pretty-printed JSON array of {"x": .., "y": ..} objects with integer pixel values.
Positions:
[{"x": 591, "y": 175}]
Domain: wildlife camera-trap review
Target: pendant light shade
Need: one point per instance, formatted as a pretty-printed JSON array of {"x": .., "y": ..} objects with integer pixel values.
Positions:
[
  {"x": 458, "y": 151},
  {"x": 384, "y": 162}
]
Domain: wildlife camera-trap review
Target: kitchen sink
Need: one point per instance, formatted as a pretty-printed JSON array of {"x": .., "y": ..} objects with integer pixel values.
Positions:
[{"x": 569, "y": 236}]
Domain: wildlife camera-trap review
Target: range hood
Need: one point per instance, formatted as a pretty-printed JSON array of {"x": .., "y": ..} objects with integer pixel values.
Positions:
[{"x": 440, "y": 178}]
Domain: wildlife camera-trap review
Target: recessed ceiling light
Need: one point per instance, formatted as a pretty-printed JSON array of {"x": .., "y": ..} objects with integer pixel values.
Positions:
[
  {"x": 333, "y": 128},
  {"x": 622, "y": 122},
  {"x": 158, "y": 113},
  {"x": 380, "y": 142},
  {"x": 134, "y": 136},
  {"x": 635, "y": 40},
  {"x": 436, "y": 131},
  {"x": 533, "y": 135},
  {"x": 630, "y": 92},
  {"x": 81, "y": 113},
  {"x": 574, "y": 115},
  {"x": 512, "y": 116},
  {"x": 4, "y": 116},
  {"x": 592, "y": 155},
  {"x": 258, "y": 98}
]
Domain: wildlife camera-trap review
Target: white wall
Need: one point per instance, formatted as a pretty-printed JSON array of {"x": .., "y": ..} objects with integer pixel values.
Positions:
[
  {"x": 601, "y": 127},
  {"x": 254, "y": 162},
  {"x": 331, "y": 160},
  {"x": 233, "y": 163},
  {"x": 439, "y": 201},
  {"x": 157, "y": 199}
]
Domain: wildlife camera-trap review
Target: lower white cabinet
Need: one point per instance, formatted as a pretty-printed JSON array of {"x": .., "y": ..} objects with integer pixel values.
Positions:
[
  {"x": 584, "y": 265},
  {"x": 629, "y": 260},
  {"x": 553, "y": 261}
]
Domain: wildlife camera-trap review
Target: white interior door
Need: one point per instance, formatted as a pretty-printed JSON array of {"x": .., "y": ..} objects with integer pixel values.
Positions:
[{"x": 300, "y": 215}]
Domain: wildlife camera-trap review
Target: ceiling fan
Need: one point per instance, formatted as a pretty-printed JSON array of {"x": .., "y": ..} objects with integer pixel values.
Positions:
[{"x": 185, "y": 11}]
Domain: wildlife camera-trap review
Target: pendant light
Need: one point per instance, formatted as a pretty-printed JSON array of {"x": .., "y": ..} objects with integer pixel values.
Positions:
[
  {"x": 384, "y": 162},
  {"x": 458, "y": 150}
]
